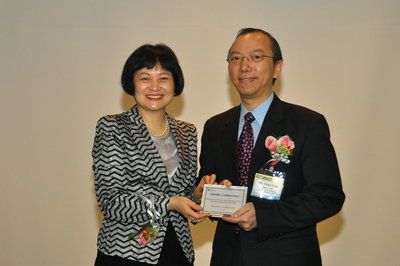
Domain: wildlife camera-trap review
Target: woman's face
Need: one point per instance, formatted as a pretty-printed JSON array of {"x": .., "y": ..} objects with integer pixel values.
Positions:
[{"x": 154, "y": 88}]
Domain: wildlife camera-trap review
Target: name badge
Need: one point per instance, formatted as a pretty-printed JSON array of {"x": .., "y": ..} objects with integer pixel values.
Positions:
[{"x": 267, "y": 186}]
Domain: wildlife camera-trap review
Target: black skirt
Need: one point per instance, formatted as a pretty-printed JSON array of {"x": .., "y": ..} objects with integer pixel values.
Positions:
[{"x": 171, "y": 254}]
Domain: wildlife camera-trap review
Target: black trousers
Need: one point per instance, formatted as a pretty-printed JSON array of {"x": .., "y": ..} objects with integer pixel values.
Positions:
[
  {"x": 232, "y": 250},
  {"x": 171, "y": 254}
]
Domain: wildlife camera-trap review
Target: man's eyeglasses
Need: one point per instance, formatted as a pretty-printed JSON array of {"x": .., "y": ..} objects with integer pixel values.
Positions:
[{"x": 237, "y": 59}]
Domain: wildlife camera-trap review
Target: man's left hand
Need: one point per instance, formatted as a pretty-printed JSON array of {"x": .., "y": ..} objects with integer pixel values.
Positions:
[{"x": 245, "y": 217}]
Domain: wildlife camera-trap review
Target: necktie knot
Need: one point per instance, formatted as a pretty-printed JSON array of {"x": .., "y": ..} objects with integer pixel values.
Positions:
[{"x": 248, "y": 117}]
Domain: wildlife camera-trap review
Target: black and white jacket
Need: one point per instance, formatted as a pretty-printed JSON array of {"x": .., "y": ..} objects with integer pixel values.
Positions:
[{"x": 127, "y": 166}]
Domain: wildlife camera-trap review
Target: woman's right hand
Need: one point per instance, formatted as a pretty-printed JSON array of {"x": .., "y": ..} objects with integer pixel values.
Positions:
[
  {"x": 198, "y": 191},
  {"x": 187, "y": 208},
  {"x": 208, "y": 179}
]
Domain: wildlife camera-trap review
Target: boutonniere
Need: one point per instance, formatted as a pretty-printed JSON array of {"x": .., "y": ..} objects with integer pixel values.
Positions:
[{"x": 280, "y": 149}]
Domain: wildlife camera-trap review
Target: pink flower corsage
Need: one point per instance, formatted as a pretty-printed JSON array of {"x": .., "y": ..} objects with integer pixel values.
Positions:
[
  {"x": 146, "y": 235},
  {"x": 280, "y": 149},
  {"x": 149, "y": 230}
]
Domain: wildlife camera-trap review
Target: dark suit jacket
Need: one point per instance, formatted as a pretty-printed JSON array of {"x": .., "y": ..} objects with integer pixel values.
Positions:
[{"x": 286, "y": 229}]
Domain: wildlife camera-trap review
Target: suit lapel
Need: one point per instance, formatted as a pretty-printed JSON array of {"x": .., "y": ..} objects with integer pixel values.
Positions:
[
  {"x": 229, "y": 135},
  {"x": 146, "y": 146},
  {"x": 270, "y": 127}
]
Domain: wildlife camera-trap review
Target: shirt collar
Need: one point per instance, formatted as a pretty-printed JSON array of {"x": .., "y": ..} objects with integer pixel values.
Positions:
[{"x": 259, "y": 112}]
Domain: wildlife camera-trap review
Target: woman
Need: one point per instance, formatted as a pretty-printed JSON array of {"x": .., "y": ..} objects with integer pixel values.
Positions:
[{"x": 145, "y": 165}]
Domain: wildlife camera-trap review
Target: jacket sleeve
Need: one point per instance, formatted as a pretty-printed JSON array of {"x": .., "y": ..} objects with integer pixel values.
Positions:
[
  {"x": 118, "y": 201},
  {"x": 207, "y": 165},
  {"x": 321, "y": 195}
]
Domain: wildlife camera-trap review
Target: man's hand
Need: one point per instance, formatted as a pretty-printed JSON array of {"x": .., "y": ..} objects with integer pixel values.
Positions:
[
  {"x": 198, "y": 191},
  {"x": 245, "y": 217},
  {"x": 226, "y": 183}
]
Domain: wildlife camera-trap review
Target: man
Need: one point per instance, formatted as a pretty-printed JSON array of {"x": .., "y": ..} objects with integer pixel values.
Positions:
[{"x": 264, "y": 231}]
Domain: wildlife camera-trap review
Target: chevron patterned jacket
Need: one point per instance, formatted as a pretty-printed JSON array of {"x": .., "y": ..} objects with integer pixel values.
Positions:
[{"x": 127, "y": 166}]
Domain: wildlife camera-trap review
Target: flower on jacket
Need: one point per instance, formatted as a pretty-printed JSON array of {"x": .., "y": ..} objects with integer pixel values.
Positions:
[
  {"x": 145, "y": 236},
  {"x": 280, "y": 148}
]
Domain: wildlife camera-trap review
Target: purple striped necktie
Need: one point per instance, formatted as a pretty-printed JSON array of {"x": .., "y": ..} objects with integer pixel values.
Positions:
[{"x": 244, "y": 148}]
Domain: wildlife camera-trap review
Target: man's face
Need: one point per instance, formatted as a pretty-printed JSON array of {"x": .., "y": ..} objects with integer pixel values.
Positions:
[{"x": 251, "y": 71}]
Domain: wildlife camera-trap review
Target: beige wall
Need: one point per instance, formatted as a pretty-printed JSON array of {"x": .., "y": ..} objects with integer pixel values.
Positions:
[{"x": 60, "y": 63}]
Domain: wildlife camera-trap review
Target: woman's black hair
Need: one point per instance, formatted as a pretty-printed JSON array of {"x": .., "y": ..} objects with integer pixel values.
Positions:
[{"x": 147, "y": 56}]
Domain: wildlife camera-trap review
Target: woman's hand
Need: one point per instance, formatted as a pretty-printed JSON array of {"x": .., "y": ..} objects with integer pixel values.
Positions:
[
  {"x": 198, "y": 191},
  {"x": 187, "y": 208},
  {"x": 208, "y": 179}
]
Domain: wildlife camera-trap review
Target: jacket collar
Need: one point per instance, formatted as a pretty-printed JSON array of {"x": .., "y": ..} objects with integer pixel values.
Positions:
[
  {"x": 138, "y": 122},
  {"x": 229, "y": 136},
  {"x": 139, "y": 127},
  {"x": 261, "y": 155},
  {"x": 270, "y": 127}
]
